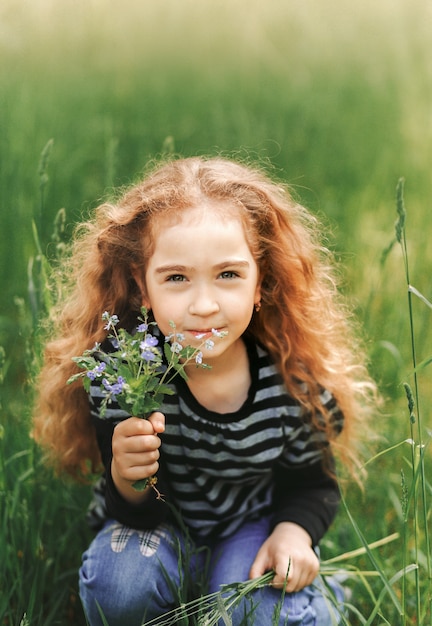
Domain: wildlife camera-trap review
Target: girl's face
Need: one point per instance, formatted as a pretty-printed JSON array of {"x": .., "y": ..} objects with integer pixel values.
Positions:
[{"x": 202, "y": 276}]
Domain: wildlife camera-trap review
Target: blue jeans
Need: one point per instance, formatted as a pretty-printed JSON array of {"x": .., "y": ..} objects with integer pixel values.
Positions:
[{"x": 136, "y": 576}]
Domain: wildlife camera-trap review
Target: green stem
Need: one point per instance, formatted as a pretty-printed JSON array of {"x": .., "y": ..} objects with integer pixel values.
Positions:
[{"x": 417, "y": 451}]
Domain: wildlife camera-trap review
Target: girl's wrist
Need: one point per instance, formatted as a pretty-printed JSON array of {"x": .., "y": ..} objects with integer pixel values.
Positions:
[{"x": 125, "y": 487}]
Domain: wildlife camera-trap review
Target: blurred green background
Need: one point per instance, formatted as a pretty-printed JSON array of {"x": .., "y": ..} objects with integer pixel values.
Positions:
[{"x": 334, "y": 97}]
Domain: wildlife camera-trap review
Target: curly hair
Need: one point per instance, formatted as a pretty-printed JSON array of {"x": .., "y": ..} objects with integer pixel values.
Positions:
[{"x": 303, "y": 322}]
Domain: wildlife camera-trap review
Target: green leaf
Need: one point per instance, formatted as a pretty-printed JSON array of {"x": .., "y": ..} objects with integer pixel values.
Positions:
[
  {"x": 151, "y": 384},
  {"x": 124, "y": 404},
  {"x": 164, "y": 390},
  {"x": 140, "y": 485},
  {"x": 188, "y": 352},
  {"x": 75, "y": 377},
  {"x": 181, "y": 372},
  {"x": 124, "y": 371},
  {"x": 168, "y": 352}
]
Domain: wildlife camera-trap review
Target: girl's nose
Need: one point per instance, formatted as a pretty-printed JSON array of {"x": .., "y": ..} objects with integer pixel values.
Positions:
[{"x": 203, "y": 303}]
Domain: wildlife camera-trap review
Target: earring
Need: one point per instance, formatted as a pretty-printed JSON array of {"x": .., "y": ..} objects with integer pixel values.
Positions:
[{"x": 258, "y": 306}]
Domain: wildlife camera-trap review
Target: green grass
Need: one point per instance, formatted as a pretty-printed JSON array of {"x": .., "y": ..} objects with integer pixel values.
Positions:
[{"x": 336, "y": 100}]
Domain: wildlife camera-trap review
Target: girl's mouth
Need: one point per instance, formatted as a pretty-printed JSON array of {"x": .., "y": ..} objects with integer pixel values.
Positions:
[
  {"x": 207, "y": 333},
  {"x": 201, "y": 334}
]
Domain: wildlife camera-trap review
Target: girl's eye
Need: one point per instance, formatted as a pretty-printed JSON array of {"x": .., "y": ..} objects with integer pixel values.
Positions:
[
  {"x": 176, "y": 278},
  {"x": 228, "y": 274}
]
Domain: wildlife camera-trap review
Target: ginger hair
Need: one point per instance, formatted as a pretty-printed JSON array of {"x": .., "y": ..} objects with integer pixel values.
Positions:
[{"x": 303, "y": 321}]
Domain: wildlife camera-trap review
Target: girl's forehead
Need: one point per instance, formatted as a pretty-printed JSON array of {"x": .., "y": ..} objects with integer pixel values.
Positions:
[
  {"x": 210, "y": 221},
  {"x": 202, "y": 211}
]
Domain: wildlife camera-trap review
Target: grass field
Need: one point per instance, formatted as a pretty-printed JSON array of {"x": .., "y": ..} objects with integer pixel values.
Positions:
[{"x": 335, "y": 100}]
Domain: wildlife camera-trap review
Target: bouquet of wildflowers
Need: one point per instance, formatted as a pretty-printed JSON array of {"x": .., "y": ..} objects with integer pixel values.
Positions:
[{"x": 135, "y": 374}]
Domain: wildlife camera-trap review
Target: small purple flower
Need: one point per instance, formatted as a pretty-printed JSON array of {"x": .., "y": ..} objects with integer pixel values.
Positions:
[
  {"x": 142, "y": 328},
  {"x": 199, "y": 358},
  {"x": 148, "y": 355},
  {"x": 147, "y": 347},
  {"x": 97, "y": 371},
  {"x": 148, "y": 342},
  {"x": 209, "y": 344},
  {"x": 116, "y": 387}
]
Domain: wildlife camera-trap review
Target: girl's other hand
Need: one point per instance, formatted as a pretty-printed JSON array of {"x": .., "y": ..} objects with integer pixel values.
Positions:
[
  {"x": 135, "y": 447},
  {"x": 289, "y": 545}
]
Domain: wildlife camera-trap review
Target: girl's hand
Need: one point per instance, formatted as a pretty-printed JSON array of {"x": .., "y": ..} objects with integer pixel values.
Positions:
[
  {"x": 289, "y": 545},
  {"x": 135, "y": 447}
]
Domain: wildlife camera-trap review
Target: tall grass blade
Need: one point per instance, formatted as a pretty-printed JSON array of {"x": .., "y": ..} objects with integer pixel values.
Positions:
[
  {"x": 230, "y": 595},
  {"x": 221, "y": 609},
  {"x": 420, "y": 494},
  {"x": 359, "y": 551},
  {"x": 374, "y": 562},
  {"x": 43, "y": 178},
  {"x": 401, "y": 211},
  {"x": 392, "y": 581},
  {"x": 419, "y": 295}
]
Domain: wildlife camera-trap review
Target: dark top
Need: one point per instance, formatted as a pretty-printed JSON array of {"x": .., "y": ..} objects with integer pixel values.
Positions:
[{"x": 220, "y": 470}]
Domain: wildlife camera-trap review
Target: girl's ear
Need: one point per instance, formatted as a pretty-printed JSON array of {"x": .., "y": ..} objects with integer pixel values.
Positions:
[
  {"x": 257, "y": 299},
  {"x": 140, "y": 281}
]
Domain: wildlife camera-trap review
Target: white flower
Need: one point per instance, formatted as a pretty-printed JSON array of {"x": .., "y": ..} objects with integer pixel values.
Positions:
[
  {"x": 176, "y": 347},
  {"x": 219, "y": 333}
]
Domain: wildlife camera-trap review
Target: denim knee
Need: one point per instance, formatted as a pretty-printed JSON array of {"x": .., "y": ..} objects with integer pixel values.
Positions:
[{"x": 121, "y": 575}]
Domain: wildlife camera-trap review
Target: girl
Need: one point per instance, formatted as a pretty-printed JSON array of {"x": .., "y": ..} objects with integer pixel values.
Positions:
[{"x": 243, "y": 452}]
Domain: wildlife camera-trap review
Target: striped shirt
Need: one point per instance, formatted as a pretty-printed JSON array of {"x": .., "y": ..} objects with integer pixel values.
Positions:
[{"x": 220, "y": 470}]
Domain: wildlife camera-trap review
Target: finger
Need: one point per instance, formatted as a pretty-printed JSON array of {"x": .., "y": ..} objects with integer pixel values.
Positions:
[
  {"x": 259, "y": 566},
  {"x": 298, "y": 577},
  {"x": 134, "y": 442},
  {"x": 285, "y": 578},
  {"x": 157, "y": 420},
  {"x": 127, "y": 459},
  {"x": 138, "y": 444},
  {"x": 136, "y": 472},
  {"x": 133, "y": 426},
  {"x": 308, "y": 571},
  {"x": 146, "y": 467},
  {"x": 255, "y": 571}
]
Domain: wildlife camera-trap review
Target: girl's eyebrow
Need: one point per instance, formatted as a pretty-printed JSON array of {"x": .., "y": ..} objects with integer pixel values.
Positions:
[
  {"x": 172, "y": 269},
  {"x": 180, "y": 269},
  {"x": 238, "y": 263}
]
